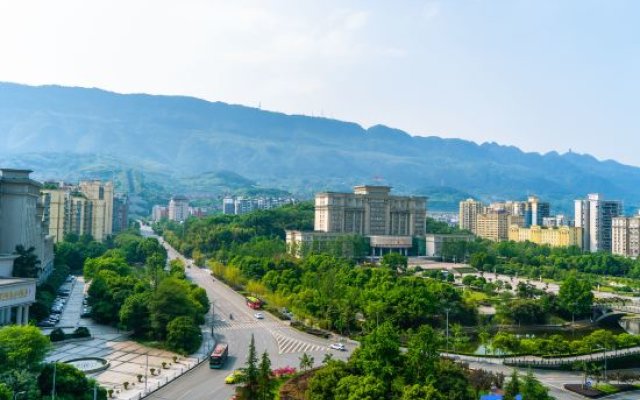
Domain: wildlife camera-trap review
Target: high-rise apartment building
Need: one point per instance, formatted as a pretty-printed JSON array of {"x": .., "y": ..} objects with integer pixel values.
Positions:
[
  {"x": 469, "y": 211},
  {"x": 178, "y": 208},
  {"x": 228, "y": 206},
  {"x": 159, "y": 212},
  {"x": 595, "y": 216},
  {"x": 625, "y": 236},
  {"x": 120, "y": 212},
  {"x": 86, "y": 209},
  {"x": 535, "y": 211},
  {"x": 493, "y": 226}
]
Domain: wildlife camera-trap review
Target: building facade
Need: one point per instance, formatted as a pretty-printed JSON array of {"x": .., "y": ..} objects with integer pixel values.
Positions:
[
  {"x": 595, "y": 216},
  {"x": 86, "y": 209},
  {"x": 388, "y": 223},
  {"x": 120, "y": 213},
  {"x": 493, "y": 226},
  {"x": 564, "y": 236},
  {"x": 625, "y": 236},
  {"x": 16, "y": 294},
  {"x": 435, "y": 242},
  {"x": 178, "y": 209},
  {"x": 21, "y": 218},
  {"x": 469, "y": 211},
  {"x": 370, "y": 211}
]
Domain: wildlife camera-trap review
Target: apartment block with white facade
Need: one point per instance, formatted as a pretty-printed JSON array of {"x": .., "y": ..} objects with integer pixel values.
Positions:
[
  {"x": 625, "y": 236},
  {"x": 595, "y": 216}
]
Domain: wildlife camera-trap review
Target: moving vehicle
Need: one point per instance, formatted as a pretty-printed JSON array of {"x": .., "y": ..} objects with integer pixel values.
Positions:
[
  {"x": 234, "y": 377},
  {"x": 259, "y": 315},
  {"x": 219, "y": 356},
  {"x": 338, "y": 346},
  {"x": 254, "y": 302}
]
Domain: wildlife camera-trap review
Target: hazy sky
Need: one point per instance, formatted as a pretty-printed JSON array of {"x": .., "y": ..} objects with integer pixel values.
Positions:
[{"x": 541, "y": 75}]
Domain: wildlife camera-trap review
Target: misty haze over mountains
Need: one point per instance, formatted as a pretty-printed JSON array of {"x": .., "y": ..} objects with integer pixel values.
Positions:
[{"x": 66, "y": 132}]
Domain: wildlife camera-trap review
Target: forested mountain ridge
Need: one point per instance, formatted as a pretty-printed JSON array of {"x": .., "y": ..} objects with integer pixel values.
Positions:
[{"x": 182, "y": 137}]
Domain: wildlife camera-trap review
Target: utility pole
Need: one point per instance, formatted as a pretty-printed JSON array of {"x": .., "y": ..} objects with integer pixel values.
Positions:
[
  {"x": 146, "y": 368},
  {"x": 446, "y": 310},
  {"x": 95, "y": 391}
]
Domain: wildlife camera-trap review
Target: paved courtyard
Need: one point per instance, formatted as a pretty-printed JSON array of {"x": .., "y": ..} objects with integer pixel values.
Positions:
[{"x": 127, "y": 359}]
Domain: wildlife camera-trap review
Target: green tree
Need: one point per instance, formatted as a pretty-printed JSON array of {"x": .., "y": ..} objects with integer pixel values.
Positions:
[
  {"x": 532, "y": 389},
  {"x": 251, "y": 372},
  {"x": 5, "y": 392},
  {"x": 323, "y": 383},
  {"x": 184, "y": 335},
  {"x": 354, "y": 387},
  {"x": 575, "y": 296},
  {"x": 306, "y": 362},
  {"x": 134, "y": 314},
  {"x": 265, "y": 383},
  {"x": 172, "y": 299},
  {"x": 512, "y": 388},
  {"x": 27, "y": 263},
  {"x": 422, "y": 354},
  {"x": 460, "y": 338},
  {"x": 24, "y": 346},
  {"x": 71, "y": 383},
  {"x": 450, "y": 379},
  {"x": 421, "y": 392},
  {"x": 379, "y": 353},
  {"x": 395, "y": 262}
]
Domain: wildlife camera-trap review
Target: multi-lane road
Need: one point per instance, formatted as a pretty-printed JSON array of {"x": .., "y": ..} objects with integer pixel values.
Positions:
[{"x": 284, "y": 344}]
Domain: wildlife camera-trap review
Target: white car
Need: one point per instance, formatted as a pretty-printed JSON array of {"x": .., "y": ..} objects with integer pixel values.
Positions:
[
  {"x": 338, "y": 346},
  {"x": 259, "y": 315}
]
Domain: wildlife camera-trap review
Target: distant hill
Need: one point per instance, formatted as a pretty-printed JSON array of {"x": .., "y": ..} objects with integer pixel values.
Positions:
[{"x": 172, "y": 141}]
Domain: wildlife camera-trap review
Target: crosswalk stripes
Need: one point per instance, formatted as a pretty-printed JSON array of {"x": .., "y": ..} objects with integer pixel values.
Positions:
[{"x": 287, "y": 345}]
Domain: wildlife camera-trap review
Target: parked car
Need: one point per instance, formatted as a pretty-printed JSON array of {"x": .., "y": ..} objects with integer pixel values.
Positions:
[
  {"x": 46, "y": 323},
  {"x": 86, "y": 312},
  {"x": 338, "y": 346},
  {"x": 259, "y": 315}
]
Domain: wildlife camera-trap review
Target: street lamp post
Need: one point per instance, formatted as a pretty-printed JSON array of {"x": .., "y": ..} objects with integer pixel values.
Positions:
[{"x": 446, "y": 310}]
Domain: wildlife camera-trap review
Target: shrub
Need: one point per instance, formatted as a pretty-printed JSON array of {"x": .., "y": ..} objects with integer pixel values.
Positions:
[
  {"x": 81, "y": 332},
  {"x": 57, "y": 335}
]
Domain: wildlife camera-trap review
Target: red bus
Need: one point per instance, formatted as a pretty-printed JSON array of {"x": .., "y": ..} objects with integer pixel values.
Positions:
[
  {"x": 254, "y": 302},
  {"x": 219, "y": 356}
]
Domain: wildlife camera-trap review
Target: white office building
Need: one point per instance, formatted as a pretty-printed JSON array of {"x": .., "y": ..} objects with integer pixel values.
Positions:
[{"x": 595, "y": 216}]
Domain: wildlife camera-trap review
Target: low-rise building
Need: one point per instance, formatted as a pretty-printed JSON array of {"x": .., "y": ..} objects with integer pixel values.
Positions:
[
  {"x": 563, "y": 236},
  {"x": 435, "y": 242},
  {"x": 16, "y": 294}
]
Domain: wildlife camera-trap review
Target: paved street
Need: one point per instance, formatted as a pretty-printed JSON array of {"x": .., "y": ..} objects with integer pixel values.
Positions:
[{"x": 284, "y": 344}]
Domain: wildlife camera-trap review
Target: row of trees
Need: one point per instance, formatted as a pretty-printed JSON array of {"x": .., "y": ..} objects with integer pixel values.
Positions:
[
  {"x": 24, "y": 375},
  {"x": 379, "y": 370},
  {"x": 131, "y": 288},
  {"x": 532, "y": 260},
  {"x": 556, "y": 345}
]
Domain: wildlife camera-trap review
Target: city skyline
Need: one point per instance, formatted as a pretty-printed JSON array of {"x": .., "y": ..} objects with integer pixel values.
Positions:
[{"x": 430, "y": 68}]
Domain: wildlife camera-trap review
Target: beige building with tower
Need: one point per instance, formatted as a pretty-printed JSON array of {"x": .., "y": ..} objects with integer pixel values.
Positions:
[
  {"x": 389, "y": 222},
  {"x": 625, "y": 236},
  {"x": 86, "y": 209}
]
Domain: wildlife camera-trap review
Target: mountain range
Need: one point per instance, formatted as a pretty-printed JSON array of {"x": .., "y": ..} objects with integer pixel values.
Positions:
[{"x": 176, "y": 143}]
